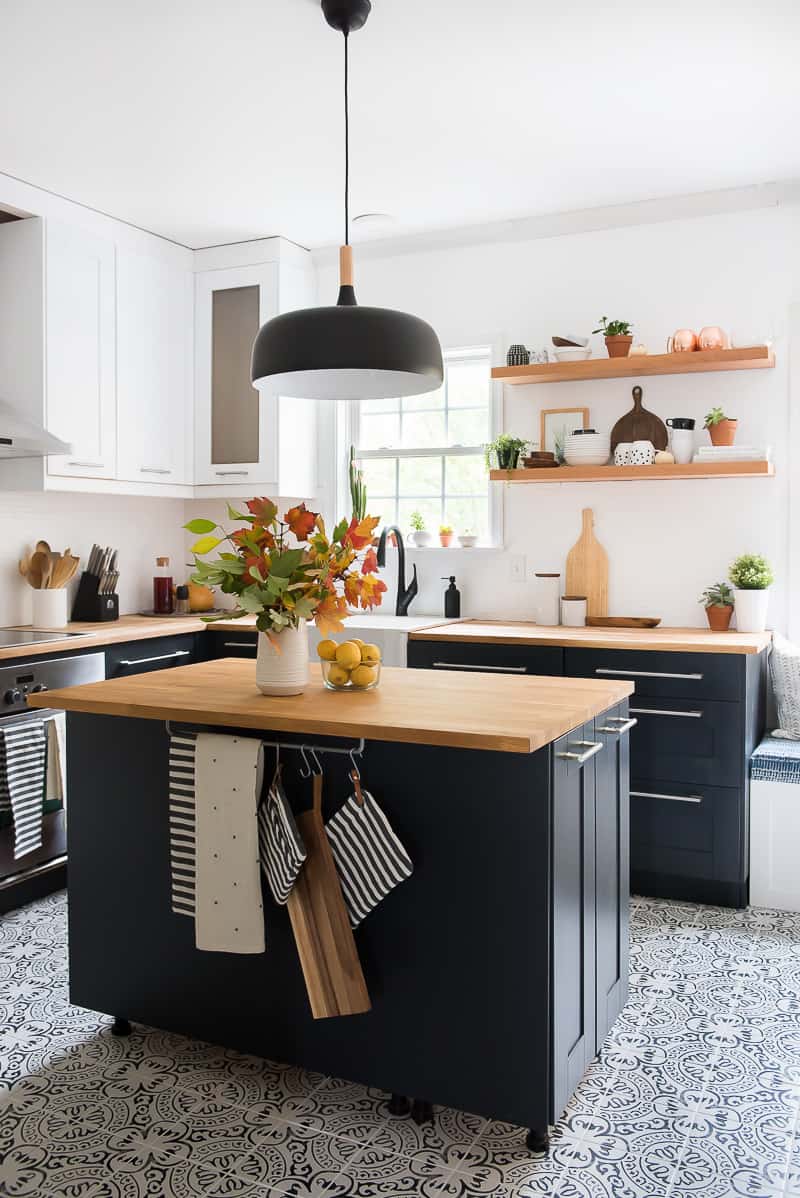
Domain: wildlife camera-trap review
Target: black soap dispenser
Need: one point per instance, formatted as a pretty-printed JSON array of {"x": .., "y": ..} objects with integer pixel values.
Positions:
[{"x": 452, "y": 599}]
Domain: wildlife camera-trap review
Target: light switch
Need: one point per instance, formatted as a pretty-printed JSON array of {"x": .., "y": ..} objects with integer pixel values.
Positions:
[{"x": 518, "y": 567}]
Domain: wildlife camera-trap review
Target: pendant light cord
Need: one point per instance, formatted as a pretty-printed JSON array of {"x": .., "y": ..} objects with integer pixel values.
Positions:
[{"x": 346, "y": 144}]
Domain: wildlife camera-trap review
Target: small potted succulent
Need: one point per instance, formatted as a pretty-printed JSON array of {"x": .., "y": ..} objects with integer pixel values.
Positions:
[
  {"x": 718, "y": 602},
  {"x": 506, "y": 450},
  {"x": 422, "y": 537},
  {"x": 445, "y": 535},
  {"x": 751, "y": 576},
  {"x": 721, "y": 428},
  {"x": 618, "y": 336},
  {"x": 468, "y": 539}
]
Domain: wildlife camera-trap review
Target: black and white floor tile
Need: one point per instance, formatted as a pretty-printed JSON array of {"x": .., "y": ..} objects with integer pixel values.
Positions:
[{"x": 695, "y": 1093}]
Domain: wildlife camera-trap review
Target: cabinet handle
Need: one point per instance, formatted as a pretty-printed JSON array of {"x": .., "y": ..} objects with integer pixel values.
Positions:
[
  {"x": 87, "y": 465},
  {"x": 143, "y": 661},
  {"x": 647, "y": 674},
  {"x": 153, "y": 470},
  {"x": 689, "y": 715},
  {"x": 624, "y": 725},
  {"x": 647, "y": 794},
  {"x": 454, "y": 665},
  {"x": 238, "y": 645},
  {"x": 591, "y": 747},
  {"x": 232, "y": 473}
]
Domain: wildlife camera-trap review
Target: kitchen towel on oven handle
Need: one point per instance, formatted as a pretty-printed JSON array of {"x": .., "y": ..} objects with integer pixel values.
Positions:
[{"x": 23, "y": 778}]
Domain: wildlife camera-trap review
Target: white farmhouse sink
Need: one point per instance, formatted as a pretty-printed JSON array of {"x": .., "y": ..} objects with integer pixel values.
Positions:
[{"x": 389, "y": 633}]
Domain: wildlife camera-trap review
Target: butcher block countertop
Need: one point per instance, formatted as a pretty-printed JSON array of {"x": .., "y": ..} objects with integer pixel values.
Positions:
[
  {"x": 502, "y": 713},
  {"x": 126, "y": 628},
  {"x": 670, "y": 640}
]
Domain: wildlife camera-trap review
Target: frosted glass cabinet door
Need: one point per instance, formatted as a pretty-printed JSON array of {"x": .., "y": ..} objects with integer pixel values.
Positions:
[
  {"x": 237, "y": 430},
  {"x": 81, "y": 351}
]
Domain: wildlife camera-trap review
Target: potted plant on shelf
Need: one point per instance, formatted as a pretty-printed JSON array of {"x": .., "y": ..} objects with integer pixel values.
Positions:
[
  {"x": 718, "y": 602},
  {"x": 445, "y": 535},
  {"x": 422, "y": 538},
  {"x": 506, "y": 450},
  {"x": 468, "y": 539},
  {"x": 721, "y": 428},
  {"x": 618, "y": 336},
  {"x": 286, "y": 573},
  {"x": 751, "y": 576}
]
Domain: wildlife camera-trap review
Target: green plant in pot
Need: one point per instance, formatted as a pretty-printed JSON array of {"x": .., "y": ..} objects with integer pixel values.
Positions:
[
  {"x": 752, "y": 577},
  {"x": 718, "y": 602},
  {"x": 506, "y": 449},
  {"x": 721, "y": 428},
  {"x": 422, "y": 537},
  {"x": 618, "y": 336}
]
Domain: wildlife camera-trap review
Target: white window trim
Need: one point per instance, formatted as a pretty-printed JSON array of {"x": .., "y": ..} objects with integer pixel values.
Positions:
[{"x": 347, "y": 435}]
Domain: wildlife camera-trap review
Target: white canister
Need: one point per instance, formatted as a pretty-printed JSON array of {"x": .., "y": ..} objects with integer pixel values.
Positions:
[
  {"x": 283, "y": 670},
  {"x": 50, "y": 608},
  {"x": 545, "y": 603},
  {"x": 573, "y": 611},
  {"x": 751, "y": 610},
  {"x": 681, "y": 444}
]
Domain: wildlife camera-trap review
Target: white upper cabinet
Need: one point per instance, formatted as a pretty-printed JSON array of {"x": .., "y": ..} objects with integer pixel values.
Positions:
[
  {"x": 80, "y": 348},
  {"x": 154, "y": 371}
]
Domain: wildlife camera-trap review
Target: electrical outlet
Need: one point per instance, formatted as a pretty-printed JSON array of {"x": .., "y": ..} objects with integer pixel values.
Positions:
[{"x": 517, "y": 565}]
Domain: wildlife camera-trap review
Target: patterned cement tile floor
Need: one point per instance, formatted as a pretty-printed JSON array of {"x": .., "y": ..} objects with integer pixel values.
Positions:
[{"x": 696, "y": 1091}]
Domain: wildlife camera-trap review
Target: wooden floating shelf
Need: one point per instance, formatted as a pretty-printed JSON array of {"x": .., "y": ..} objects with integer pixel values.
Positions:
[
  {"x": 610, "y": 474},
  {"x": 760, "y": 357}
]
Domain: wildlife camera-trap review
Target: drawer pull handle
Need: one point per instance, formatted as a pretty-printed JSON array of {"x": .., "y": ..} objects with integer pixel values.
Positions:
[
  {"x": 591, "y": 747},
  {"x": 624, "y": 725},
  {"x": 688, "y": 715},
  {"x": 144, "y": 661},
  {"x": 154, "y": 470},
  {"x": 454, "y": 665},
  {"x": 238, "y": 645},
  {"x": 647, "y": 674},
  {"x": 87, "y": 465},
  {"x": 646, "y": 794},
  {"x": 232, "y": 473}
]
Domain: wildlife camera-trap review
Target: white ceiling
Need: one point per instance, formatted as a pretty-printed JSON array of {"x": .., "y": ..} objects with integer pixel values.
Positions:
[{"x": 210, "y": 121}]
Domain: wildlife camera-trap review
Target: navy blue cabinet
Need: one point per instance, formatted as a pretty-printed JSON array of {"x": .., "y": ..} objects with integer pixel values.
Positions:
[
  {"x": 499, "y": 659},
  {"x": 157, "y": 653},
  {"x": 221, "y": 642}
]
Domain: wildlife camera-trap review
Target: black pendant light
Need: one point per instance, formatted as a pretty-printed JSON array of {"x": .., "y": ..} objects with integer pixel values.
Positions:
[{"x": 346, "y": 352}]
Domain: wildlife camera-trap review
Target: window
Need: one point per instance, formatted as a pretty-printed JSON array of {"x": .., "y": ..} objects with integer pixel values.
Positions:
[{"x": 425, "y": 453}]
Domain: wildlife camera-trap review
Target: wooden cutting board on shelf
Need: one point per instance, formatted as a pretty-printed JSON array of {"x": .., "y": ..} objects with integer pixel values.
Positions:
[
  {"x": 587, "y": 569},
  {"x": 321, "y": 925},
  {"x": 639, "y": 425}
]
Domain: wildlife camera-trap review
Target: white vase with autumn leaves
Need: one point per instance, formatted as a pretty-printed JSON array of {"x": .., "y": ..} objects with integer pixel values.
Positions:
[{"x": 282, "y": 661}]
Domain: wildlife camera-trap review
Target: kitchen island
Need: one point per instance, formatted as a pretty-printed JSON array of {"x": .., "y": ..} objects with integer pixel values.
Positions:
[{"x": 494, "y": 972}]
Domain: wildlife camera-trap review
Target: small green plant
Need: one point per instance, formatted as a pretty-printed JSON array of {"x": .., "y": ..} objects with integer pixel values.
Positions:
[
  {"x": 715, "y": 416},
  {"x": 751, "y": 572},
  {"x": 718, "y": 595},
  {"x": 417, "y": 522},
  {"x": 506, "y": 449},
  {"x": 613, "y": 328},
  {"x": 358, "y": 491}
]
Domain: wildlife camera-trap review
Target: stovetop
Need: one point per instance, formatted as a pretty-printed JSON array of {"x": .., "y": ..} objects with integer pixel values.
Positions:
[{"x": 14, "y": 638}]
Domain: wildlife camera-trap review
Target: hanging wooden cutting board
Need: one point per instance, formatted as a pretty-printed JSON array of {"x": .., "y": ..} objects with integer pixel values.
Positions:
[
  {"x": 321, "y": 925},
  {"x": 639, "y": 425},
  {"x": 587, "y": 569}
]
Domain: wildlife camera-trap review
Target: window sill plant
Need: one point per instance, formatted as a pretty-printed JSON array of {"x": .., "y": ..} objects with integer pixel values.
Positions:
[
  {"x": 422, "y": 538},
  {"x": 618, "y": 336},
  {"x": 718, "y": 602},
  {"x": 752, "y": 577},
  {"x": 287, "y": 573},
  {"x": 506, "y": 450},
  {"x": 721, "y": 429},
  {"x": 467, "y": 539},
  {"x": 445, "y": 535}
]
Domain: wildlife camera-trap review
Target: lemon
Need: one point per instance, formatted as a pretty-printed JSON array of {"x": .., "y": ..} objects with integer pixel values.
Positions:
[
  {"x": 363, "y": 676},
  {"x": 370, "y": 655},
  {"x": 357, "y": 641},
  {"x": 338, "y": 675},
  {"x": 327, "y": 650},
  {"x": 348, "y": 655}
]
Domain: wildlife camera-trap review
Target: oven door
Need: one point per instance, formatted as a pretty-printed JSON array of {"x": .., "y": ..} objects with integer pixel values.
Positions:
[{"x": 53, "y": 848}]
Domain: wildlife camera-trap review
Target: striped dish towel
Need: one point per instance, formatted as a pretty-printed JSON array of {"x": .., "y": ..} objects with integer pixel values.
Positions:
[
  {"x": 182, "y": 822},
  {"x": 370, "y": 858},
  {"x": 23, "y": 777},
  {"x": 280, "y": 843}
]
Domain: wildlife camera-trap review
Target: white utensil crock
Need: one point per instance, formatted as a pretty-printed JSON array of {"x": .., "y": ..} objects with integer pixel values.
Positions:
[
  {"x": 751, "y": 610},
  {"x": 284, "y": 672},
  {"x": 546, "y": 609},
  {"x": 50, "y": 608}
]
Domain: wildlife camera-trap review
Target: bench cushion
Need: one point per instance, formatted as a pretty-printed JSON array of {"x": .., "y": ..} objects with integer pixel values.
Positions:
[
  {"x": 776, "y": 761},
  {"x": 784, "y": 668}
]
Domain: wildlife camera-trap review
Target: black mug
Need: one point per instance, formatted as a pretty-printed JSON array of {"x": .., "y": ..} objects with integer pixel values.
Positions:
[{"x": 680, "y": 422}]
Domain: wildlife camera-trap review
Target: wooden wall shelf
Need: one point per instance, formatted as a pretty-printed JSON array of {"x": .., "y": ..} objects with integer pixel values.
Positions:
[
  {"x": 610, "y": 474},
  {"x": 760, "y": 357}
]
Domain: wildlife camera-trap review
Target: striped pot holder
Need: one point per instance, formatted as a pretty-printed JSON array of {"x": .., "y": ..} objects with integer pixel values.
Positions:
[
  {"x": 182, "y": 823},
  {"x": 281, "y": 845},
  {"x": 370, "y": 858}
]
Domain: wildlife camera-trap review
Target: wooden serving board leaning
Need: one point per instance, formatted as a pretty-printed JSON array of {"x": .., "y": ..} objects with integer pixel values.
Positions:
[
  {"x": 639, "y": 425},
  {"x": 587, "y": 569}
]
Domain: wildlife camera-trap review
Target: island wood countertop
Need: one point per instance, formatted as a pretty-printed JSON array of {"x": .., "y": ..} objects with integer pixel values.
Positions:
[
  {"x": 670, "y": 640},
  {"x": 502, "y": 713}
]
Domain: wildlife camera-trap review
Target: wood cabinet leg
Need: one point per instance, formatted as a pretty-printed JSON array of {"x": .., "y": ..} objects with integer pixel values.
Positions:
[
  {"x": 398, "y": 1104},
  {"x": 421, "y": 1111},
  {"x": 538, "y": 1140},
  {"x": 120, "y": 1027}
]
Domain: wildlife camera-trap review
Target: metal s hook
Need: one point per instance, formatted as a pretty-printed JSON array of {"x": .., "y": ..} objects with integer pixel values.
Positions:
[
  {"x": 306, "y": 771},
  {"x": 355, "y": 770},
  {"x": 316, "y": 761},
  {"x": 355, "y": 778}
]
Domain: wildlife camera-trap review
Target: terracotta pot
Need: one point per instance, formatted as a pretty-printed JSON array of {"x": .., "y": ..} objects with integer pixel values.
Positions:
[
  {"x": 619, "y": 347},
  {"x": 445, "y": 538},
  {"x": 723, "y": 433},
  {"x": 719, "y": 617}
]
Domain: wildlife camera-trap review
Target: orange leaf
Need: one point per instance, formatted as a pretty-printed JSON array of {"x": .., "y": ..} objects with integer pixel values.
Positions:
[
  {"x": 370, "y": 562},
  {"x": 301, "y": 521},
  {"x": 263, "y": 509},
  {"x": 359, "y": 535},
  {"x": 372, "y": 590},
  {"x": 330, "y": 613},
  {"x": 352, "y": 589}
]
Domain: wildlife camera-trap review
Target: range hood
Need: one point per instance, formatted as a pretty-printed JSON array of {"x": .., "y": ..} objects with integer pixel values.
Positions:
[{"x": 21, "y": 438}]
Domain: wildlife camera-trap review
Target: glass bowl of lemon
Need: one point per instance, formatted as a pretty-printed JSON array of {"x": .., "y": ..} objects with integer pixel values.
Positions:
[{"x": 350, "y": 666}]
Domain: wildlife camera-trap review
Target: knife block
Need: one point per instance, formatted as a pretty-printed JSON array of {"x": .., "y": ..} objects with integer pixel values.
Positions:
[{"x": 90, "y": 605}]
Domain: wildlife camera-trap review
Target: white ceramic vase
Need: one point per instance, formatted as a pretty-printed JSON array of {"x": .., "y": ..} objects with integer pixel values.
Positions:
[
  {"x": 751, "y": 610},
  {"x": 422, "y": 538},
  {"x": 284, "y": 672}
]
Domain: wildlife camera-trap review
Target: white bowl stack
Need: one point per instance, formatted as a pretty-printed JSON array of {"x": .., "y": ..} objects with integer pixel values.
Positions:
[{"x": 587, "y": 449}]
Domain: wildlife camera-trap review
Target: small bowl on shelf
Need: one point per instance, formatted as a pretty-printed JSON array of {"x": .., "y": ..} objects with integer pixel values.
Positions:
[
  {"x": 361, "y": 678},
  {"x": 587, "y": 448},
  {"x": 571, "y": 353}
]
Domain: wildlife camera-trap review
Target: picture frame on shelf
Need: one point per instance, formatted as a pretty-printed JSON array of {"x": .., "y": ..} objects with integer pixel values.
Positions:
[{"x": 554, "y": 422}]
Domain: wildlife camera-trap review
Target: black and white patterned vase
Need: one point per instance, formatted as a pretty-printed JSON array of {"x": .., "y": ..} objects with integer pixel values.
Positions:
[{"x": 517, "y": 356}]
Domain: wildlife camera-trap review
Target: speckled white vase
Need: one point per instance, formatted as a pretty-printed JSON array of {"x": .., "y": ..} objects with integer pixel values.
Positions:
[{"x": 284, "y": 672}]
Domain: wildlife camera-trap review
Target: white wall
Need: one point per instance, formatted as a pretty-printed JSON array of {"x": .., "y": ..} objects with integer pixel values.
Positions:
[{"x": 665, "y": 540}]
